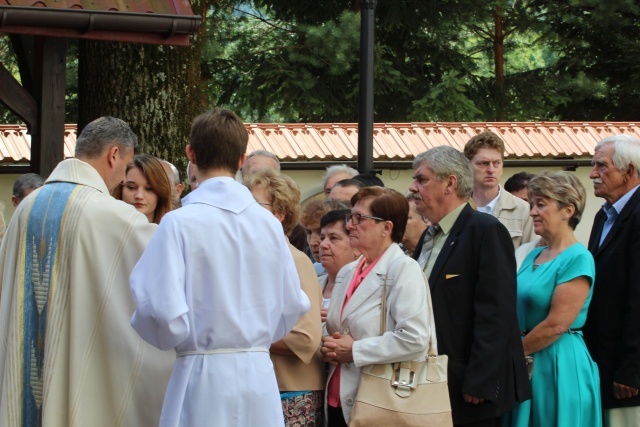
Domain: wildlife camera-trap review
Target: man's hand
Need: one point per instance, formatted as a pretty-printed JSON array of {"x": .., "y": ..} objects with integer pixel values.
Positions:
[
  {"x": 323, "y": 314},
  {"x": 472, "y": 399},
  {"x": 621, "y": 391}
]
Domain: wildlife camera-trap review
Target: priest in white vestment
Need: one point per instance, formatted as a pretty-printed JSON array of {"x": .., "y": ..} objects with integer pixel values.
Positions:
[
  {"x": 68, "y": 355},
  {"x": 218, "y": 283}
]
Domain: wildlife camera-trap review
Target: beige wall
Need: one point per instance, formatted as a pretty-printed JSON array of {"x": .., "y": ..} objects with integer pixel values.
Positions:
[{"x": 310, "y": 182}]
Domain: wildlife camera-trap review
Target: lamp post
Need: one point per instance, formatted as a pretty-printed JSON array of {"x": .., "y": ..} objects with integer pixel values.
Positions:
[{"x": 365, "y": 118}]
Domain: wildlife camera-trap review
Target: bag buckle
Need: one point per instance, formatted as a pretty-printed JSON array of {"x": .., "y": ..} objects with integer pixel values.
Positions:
[{"x": 398, "y": 382}]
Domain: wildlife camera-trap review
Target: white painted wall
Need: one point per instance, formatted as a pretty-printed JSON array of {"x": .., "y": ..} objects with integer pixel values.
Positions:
[{"x": 310, "y": 182}]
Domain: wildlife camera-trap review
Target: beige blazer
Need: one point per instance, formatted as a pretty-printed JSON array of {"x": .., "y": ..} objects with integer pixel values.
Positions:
[
  {"x": 305, "y": 370},
  {"x": 409, "y": 318},
  {"x": 513, "y": 213}
]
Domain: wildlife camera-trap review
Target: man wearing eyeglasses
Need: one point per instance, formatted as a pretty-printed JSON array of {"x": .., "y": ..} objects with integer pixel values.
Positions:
[{"x": 470, "y": 263}]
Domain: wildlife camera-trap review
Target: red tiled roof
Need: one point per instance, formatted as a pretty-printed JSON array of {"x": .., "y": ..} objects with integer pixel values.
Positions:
[{"x": 331, "y": 142}]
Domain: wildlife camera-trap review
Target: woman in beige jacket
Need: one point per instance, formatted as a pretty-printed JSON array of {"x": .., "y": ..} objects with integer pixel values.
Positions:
[{"x": 296, "y": 358}]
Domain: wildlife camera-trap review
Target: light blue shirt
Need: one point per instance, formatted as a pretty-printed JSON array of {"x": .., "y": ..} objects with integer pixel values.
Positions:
[{"x": 612, "y": 212}]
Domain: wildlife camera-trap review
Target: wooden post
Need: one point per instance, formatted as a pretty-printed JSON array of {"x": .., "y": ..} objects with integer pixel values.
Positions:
[{"x": 47, "y": 141}]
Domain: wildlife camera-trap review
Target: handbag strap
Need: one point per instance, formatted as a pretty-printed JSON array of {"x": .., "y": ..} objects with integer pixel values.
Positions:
[
  {"x": 383, "y": 306},
  {"x": 433, "y": 347}
]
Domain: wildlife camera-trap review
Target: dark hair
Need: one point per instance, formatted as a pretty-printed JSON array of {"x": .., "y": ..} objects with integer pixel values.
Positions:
[
  {"x": 25, "y": 182},
  {"x": 369, "y": 180},
  {"x": 387, "y": 204},
  {"x": 154, "y": 172},
  {"x": 349, "y": 182},
  {"x": 334, "y": 216},
  {"x": 518, "y": 181},
  {"x": 101, "y": 133},
  {"x": 486, "y": 139},
  {"x": 218, "y": 139}
]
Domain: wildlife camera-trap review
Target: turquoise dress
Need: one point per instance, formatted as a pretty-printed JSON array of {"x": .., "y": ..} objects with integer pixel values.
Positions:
[{"x": 565, "y": 381}]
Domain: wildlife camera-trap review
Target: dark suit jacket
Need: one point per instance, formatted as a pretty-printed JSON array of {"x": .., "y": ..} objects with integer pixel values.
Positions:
[
  {"x": 473, "y": 289},
  {"x": 612, "y": 330}
]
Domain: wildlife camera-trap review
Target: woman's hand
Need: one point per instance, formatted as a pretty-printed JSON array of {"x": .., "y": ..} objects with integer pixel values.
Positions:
[
  {"x": 336, "y": 349},
  {"x": 323, "y": 314}
]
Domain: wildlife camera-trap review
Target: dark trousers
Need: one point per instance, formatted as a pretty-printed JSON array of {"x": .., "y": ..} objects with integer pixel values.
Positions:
[
  {"x": 335, "y": 417},
  {"x": 493, "y": 422}
]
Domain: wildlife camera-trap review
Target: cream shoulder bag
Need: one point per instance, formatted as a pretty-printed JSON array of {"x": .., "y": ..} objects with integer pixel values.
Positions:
[{"x": 403, "y": 394}]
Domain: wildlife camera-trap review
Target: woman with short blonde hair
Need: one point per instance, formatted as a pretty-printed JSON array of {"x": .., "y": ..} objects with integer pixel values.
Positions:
[
  {"x": 296, "y": 358},
  {"x": 554, "y": 291}
]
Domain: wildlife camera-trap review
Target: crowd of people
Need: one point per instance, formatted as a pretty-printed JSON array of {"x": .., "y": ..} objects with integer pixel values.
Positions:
[{"x": 122, "y": 304}]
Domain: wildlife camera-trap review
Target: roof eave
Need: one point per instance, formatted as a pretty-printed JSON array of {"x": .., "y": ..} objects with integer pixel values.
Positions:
[{"x": 100, "y": 25}]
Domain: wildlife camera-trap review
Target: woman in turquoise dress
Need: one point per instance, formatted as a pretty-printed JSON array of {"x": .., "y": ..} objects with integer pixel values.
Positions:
[{"x": 554, "y": 291}]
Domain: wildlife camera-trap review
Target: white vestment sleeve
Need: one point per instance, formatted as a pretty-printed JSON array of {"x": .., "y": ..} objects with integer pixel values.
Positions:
[
  {"x": 295, "y": 301},
  {"x": 158, "y": 288}
]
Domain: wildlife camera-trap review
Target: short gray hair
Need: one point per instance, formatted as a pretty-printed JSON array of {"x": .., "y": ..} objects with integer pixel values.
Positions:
[
  {"x": 102, "y": 133},
  {"x": 263, "y": 153},
  {"x": 626, "y": 150},
  {"x": 337, "y": 169},
  {"x": 175, "y": 173},
  {"x": 28, "y": 181},
  {"x": 445, "y": 161}
]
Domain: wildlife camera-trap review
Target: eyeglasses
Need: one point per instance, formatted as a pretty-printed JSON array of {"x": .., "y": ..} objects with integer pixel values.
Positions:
[{"x": 357, "y": 218}]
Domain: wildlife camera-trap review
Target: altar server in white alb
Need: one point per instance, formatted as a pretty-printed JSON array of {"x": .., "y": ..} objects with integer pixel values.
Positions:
[
  {"x": 68, "y": 355},
  {"x": 218, "y": 283}
]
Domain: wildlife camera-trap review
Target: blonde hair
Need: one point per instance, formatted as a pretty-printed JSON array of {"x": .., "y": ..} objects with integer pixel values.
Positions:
[
  {"x": 284, "y": 192},
  {"x": 564, "y": 188}
]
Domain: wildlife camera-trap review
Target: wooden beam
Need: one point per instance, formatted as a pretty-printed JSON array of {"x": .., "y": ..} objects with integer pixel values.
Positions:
[
  {"x": 23, "y": 46},
  {"x": 47, "y": 143},
  {"x": 17, "y": 99}
]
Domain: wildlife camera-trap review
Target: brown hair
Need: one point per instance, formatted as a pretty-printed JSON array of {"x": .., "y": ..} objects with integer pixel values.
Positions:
[
  {"x": 218, "y": 139},
  {"x": 387, "y": 204},
  {"x": 153, "y": 171},
  {"x": 314, "y": 210},
  {"x": 486, "y": 139},
  {"x": 285, "y": 194}
]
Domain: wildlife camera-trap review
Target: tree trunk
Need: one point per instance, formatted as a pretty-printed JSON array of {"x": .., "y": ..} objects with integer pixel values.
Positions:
[
  {"x": 156, "y": 89},
  {"x": 498, "y": 51}
]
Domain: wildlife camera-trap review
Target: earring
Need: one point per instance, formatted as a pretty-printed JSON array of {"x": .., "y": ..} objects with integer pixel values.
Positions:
[{"x": 564, "y": 218}]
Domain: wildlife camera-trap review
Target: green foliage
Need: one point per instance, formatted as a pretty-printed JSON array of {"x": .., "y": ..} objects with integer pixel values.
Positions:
[
  {"x": 447, "y": 101},
  {"x": 289, "y": 61},
  {"x": 270, "y": 70}
]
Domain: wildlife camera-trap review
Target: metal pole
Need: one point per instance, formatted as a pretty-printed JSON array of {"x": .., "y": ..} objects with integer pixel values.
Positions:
[{"x": 365, "y": 119}]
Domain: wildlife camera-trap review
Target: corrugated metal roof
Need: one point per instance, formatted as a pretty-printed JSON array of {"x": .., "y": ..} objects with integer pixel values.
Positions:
[{"x": 330, "y": 142}]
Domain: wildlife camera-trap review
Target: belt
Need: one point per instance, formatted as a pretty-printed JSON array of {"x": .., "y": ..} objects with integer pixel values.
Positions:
[
  {"x": 568, "y": 331},
  {"x": 222, "y": 351}
]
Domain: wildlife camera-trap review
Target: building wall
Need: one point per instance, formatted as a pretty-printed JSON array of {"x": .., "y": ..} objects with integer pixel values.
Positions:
[
  {"x": 311, "y": 185},
  {"x": 310, "y": 182}
]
